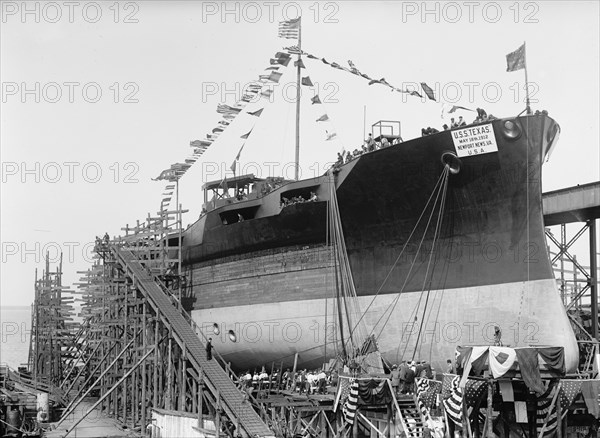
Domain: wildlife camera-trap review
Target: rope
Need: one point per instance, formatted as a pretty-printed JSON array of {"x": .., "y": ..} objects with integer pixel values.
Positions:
[
  {"x": 444, "y": 175},
  {"x": 435, "y": 236},
  {"x": 402, "y": 251}
]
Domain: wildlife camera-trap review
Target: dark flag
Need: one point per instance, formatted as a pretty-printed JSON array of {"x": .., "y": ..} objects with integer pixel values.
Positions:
[
  {"x": 246, "y": 135},
  {"x": 323, "y": 118},
  {"x": 168, "y": 174},
  {"x": 456, "y": 107},
  {"x": 306, "y": 81},
  {"x": 237, "y": 158},
  {"x": 315, "y": 99},
  {"x": 428, "y": 91},
  {"x": 516, "y": 60},
  {"x": 299, "y": 63},
  {"x": 200, "y": 144},
  {"x": 257, "y": 113},
  {"x": 353, "y": 68}
]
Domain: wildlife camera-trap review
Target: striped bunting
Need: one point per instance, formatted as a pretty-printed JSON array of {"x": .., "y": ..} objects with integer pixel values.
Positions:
[
  {"x": 351, "y": 404},
  {"x": 453, "y": 404},
  {"x": 546, "y": 411},
  {"x": 423, "y": 388},
  {"x": 228, "y": 113}
]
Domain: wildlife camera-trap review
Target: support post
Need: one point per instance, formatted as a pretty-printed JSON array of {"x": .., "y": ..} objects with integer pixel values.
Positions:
[
  {"x": 490, "y": 426},
  {"x": 200, "y": 397},
  {"x": 593, "y": 277}
]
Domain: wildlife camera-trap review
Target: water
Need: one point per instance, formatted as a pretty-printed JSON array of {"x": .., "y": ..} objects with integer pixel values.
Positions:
[{"x": 15, "y": 328}]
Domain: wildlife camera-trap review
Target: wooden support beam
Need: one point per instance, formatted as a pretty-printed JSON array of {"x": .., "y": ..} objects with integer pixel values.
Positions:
[{"x": 108, "y": 393}]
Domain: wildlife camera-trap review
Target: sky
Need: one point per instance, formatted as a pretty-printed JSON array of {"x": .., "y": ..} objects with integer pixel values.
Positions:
[{"x": 100, "y": 97}]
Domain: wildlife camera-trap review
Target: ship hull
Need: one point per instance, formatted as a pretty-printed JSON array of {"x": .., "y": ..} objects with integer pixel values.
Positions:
[
  {"x": 273, "y": 332},
  {"x": 475, "y": 260}
]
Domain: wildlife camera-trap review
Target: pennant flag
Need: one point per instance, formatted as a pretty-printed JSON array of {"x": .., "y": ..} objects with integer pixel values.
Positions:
[
  {"x": 237, "y": 157},
  {"x": 266, "y": 93},
  {"x": 168, "y": 174},
  {"x": 272, "y": 68},
  {"x": 306, "y": 81},
  {"x": 246, "y": 135},
  {"x": 353, "y": 68},
  {"x": 349, "y": 409},
  {"x": 283, "y": 60},
  {"x": 257, "y": 113},
  {"x": 428, "y": 91},
  {"x": 283, "y": 55},
  {"x": 312, "y": 56},
  {"x": 323, "y": 118},
  {"x": 299, "y": 63},
  {"x": 415, "y": 93},
  {"x": 456, "y": 107},
  {"x": 200, "y": 144},
  {"x": 570, "y": 390},
  {"x": 374, "y": 81},
  {"x": 274, "y": 76},
  {"x": 315, "y": 99},
  {"x": 225, "y": 109},
  {"x": 330, "y": 136},
  {"x": 223, "y": 122},
  {"x": 294, "y": 50},
  {"x": 516, "y": 60},
  {"x": 325, "y": 61},
  {"x": 289, "y": 29},
  {"x": 217, "y": 129}
]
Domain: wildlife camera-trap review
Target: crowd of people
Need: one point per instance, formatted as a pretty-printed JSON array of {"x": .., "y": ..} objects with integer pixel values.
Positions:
[
  {"x": 369, "y": 145},
  {"x": 303, "y": 382},
  {"x": 482, "y": 116},
  {"x": 298, "y": 199},
  {"x": 403, "y": 376}
]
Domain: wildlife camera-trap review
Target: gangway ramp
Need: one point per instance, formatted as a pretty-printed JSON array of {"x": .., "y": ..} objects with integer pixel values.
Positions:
[{"x": 235, "y": 403}]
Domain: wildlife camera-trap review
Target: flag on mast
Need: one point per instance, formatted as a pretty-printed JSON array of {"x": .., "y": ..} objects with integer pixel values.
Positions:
[
  {"x": 516, "y": 60},
  {"x": 289, "y": 29}
]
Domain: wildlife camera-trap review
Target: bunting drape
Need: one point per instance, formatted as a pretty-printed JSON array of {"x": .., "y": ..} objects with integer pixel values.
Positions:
[
  {"x": 229, "y": 113},
  {"x": 353, "y": 70}
]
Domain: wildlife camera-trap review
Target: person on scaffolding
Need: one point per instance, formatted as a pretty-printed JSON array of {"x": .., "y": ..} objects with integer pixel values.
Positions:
[
  {"x": 409, "y": 381},
  {"x": 209, "y": 349}
]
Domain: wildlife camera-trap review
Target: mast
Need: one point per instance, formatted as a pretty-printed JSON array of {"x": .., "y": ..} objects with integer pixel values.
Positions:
[
  {"x": 298, "y": 73},
  {"x": 527, "y": 106}
]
